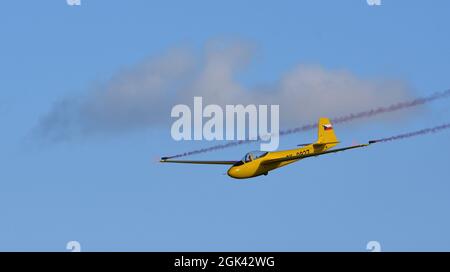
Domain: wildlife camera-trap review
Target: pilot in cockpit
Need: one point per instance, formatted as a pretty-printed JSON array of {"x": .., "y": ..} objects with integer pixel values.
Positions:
[{"x": 249, "y": 157}]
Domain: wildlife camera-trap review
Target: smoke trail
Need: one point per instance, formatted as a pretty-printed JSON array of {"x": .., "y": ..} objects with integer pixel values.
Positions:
[
  {"x": 338, "y": 120},
  {"x": 373, "y": 112},
  {"x": 412, "y": 134}
]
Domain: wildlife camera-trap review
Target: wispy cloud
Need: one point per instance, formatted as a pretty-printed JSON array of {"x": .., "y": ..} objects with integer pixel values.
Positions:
[{"x": 142, "y": 96}]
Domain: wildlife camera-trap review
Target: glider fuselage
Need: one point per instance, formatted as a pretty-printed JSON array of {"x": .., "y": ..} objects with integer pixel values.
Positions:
[{"x": 256, "y": 167}]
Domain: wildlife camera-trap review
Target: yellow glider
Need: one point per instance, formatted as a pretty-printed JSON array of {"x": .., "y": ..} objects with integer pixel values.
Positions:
[{"x": 260, "y": 163}]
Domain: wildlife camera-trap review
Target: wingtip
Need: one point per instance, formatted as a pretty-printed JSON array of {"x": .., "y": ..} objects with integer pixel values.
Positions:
[
  {"x": 163, "y": 159},
  {"x": 372, "y": 142}
]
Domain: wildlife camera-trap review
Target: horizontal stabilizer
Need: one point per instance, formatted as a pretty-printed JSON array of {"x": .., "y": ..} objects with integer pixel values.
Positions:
[
  {"x": 304, "y": 144},
  {"x": 324, "y": 143}
]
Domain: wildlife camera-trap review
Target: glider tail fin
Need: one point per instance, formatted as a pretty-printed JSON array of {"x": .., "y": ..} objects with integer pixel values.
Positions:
[{"x": 326, "y": 133}]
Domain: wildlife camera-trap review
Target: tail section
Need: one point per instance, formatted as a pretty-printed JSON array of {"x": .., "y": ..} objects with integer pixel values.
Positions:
[{"x": 326, "y": 133}]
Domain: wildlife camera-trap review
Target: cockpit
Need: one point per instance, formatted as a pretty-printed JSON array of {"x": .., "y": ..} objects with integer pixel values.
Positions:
[{"x": 251, "y": 156}]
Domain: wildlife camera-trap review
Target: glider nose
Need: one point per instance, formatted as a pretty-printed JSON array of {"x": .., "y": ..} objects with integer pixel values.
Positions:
[{"x": 234, "y": 172}]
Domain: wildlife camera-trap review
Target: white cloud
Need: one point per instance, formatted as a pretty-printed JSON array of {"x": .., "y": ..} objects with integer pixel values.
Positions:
[{"x": 142, "y": 96}]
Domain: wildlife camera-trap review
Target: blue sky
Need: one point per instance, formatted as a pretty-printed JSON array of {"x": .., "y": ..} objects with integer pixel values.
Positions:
[{"x": 107, "y": 191}]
